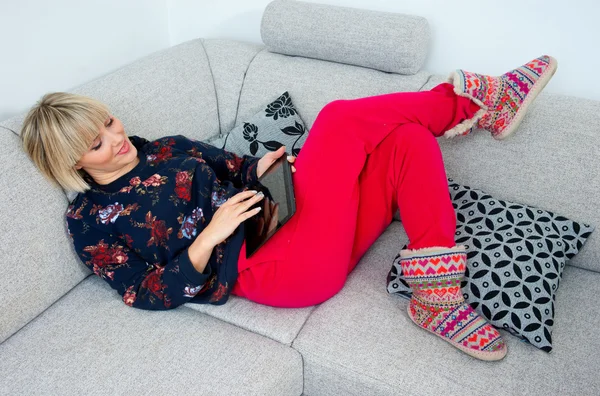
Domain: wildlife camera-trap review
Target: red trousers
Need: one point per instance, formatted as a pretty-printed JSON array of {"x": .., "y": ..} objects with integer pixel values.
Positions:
[{"x": 362, "y": 160}]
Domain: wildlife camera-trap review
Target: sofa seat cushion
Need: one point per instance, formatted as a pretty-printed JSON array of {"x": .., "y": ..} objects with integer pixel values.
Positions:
[
  {"x": 279, "y": 324},
  {"x": 87, "y": 343},
  {"x": 551, "y": 162},
  {"x": 362, "y": 341}
]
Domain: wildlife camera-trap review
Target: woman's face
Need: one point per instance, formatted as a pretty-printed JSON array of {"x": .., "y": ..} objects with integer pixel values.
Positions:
[{"x": 110, "y": 155}]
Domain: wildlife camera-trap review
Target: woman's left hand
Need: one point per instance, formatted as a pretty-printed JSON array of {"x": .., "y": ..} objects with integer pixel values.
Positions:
[{"x": 270, "y": 157}]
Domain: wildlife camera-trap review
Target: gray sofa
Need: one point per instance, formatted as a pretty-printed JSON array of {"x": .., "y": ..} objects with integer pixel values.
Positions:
[{"x": 63, "y": 331}]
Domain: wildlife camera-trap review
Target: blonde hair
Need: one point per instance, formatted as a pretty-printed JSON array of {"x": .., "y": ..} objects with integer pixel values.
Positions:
[{"x": 58, "y": 131}]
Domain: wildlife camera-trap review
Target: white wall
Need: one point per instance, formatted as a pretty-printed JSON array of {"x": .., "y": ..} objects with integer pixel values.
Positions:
[
  {"x": 56, "y": 45},
  {"x": 235, "y": 19},
  {"x": 59, "y": 44},
  {"x": 482, "y": 36}
]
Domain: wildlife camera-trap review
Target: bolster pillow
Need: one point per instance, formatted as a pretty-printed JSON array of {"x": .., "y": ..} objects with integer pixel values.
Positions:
[{"x": 384, "y": 41}]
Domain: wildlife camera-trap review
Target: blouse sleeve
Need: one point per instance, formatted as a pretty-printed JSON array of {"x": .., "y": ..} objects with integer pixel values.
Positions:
[
  {"x": 227, "y": 165},
  {"x": 150, "y": 286}
]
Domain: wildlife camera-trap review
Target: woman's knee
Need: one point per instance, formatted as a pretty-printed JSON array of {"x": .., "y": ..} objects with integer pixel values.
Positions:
[
  {"x": 334, "y": 110},
  {"x": 414, "y": 135}
]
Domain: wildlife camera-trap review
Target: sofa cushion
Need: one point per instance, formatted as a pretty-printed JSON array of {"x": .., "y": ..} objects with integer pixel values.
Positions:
[
  {"x": 168, "y": 92},
  {"x": 279, "y": 324},
  {"x": 380, "y": 40},
  {"x": 314, "y": 83},
  {"x": 276, "y": 124},
  {"x": 229, "y": 60},
  {"x": 14, "y": 123},
  {"x": 38, "y": 264},
  {"x": 550, "y": 162},
  {"x": 77, "y": 348},
  {"x": 362, "y": 341},
  {"x": 516, "y": 257}
]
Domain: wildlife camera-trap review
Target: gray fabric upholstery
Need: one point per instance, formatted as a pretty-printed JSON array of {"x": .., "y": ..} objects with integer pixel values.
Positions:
[
  {"x": 380, "y": 40},
  {"x": 229, "y": 61},
  {"x": 38, "y": 264},
  {"x": 552, "y": 162},
  {"x": 314, "y": 83},
  {"x": 169, "y": 92},
  {"x": 361, "y": 342},
  {"x": 14, "y": 123},
  {"x": 91, "y": 344},
  {"x": 281, "y": 325}
]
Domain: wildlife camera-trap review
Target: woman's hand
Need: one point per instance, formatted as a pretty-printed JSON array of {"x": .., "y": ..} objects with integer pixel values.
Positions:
[
  {"x": 229, "y": 216},
  {"x": 270, "y": 157}
]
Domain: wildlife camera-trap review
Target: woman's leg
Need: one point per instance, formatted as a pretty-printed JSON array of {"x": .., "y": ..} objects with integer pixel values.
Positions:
[
  {"x": 321, "y": 235},
  {"x": 332, "y": 201},
  {"x": 407, "y": 167},
  {"x": 406, "y": 170}
]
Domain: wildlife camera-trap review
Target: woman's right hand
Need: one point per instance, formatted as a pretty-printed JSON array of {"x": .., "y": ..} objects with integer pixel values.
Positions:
[{"x": 229, "y": 216}]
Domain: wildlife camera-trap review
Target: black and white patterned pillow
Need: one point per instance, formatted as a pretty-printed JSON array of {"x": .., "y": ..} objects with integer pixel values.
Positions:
[
  {"x": 277, "y": 124},
  {"x": 515, "y": 258}
]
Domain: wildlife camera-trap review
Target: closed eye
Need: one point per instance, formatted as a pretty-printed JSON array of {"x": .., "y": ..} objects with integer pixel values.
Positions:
[{"x": 110, "y": 122}]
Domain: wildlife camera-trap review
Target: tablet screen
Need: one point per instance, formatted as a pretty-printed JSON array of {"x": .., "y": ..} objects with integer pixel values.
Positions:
[{"x": 277, "y": 206}]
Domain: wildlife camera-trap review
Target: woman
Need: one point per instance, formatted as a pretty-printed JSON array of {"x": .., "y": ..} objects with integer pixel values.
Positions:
[{"x": 162, "y": 221}]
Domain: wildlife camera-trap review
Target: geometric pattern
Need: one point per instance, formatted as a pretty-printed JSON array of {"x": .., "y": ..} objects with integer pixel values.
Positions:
[
  {"x": 505, "y": 97},
  {"x": 437, "y": 303},
  {"x": 515, "y": 258}
]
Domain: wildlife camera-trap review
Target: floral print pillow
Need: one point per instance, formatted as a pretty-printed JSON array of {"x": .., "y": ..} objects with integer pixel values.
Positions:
[{"x": 277, "y": 124}]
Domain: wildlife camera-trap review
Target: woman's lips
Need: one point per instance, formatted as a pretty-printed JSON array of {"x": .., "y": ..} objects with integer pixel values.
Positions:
[{"x": 124, "y": 149}]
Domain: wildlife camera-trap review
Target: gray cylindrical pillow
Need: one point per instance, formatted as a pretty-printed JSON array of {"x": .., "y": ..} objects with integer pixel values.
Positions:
[{"x": 380, "y": 40}]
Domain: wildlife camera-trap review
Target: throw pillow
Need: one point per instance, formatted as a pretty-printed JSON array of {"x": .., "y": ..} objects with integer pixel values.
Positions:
[
  {"x": 277, "y": 124},
  {"x": 515, "y": 258}
]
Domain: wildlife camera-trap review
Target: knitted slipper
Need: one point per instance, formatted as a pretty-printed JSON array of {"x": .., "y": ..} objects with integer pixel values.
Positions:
[
  {"x": 437, "y": 304},
  {"x": 507, "y": 97}
]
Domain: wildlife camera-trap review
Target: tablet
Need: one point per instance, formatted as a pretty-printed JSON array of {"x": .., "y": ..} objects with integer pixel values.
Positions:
[{"x": 277, "y": 207}]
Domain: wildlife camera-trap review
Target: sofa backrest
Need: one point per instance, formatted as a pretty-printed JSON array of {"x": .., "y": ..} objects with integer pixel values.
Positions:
[
  {"x": 313, "y": 83},
  {"x": 37, "y": 263},
  {"x": 168, "y": 92}
]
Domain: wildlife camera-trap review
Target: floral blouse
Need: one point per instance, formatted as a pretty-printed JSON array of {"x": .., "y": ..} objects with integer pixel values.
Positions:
[{"x": 135, "y": 232}]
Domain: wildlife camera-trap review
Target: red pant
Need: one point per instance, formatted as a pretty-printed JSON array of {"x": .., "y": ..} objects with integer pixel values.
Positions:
[{"x": 363, "y": 158}]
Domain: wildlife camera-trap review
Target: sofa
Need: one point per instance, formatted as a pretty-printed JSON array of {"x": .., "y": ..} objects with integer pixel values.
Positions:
[{"x": 64, "y": 331}]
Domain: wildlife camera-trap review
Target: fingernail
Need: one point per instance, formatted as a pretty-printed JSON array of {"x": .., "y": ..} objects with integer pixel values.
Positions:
[
  {"x": 289, "y": 157},
  {"x": 253, "y": 191},
  {"x": 261, "y": 194}
]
